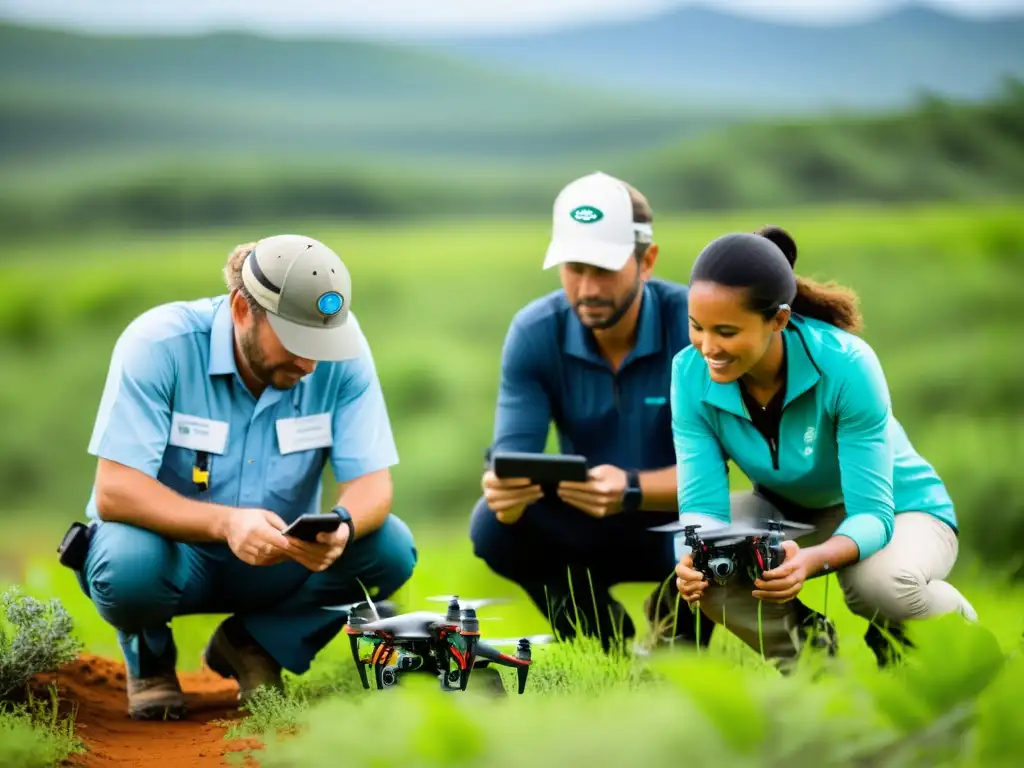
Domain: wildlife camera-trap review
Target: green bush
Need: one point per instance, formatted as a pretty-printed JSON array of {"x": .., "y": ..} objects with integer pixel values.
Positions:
[{"x": 35, "y": 637}]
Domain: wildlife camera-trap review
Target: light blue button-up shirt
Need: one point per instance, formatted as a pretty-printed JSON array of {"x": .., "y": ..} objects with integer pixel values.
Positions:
[{"x": 173, "y": 390}]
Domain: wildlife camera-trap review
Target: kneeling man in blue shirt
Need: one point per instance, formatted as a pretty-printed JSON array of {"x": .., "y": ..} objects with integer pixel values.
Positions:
[
  {"x": 214, "y": 427},
  {"x": 594, "y": 358}
]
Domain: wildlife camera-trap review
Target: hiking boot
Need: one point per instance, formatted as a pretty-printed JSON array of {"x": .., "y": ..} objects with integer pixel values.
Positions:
[
  {"x": 667, "y": 628},
  {"x": 157, "y": 697},
  {"x": 819, "y": 632},
  {"x": 610, "y": 622},
  {"x": 885, "y": 653},
  {"x": 231, "y": 652}
]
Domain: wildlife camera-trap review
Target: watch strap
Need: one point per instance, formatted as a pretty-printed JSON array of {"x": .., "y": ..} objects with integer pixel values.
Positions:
[
  {"x": 633, "y": 497},
  {"x": 346, "y": 518}
]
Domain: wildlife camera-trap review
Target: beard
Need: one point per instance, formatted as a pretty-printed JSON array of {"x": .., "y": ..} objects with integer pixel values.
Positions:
[
  {"x": 617, "y": 309},
  {"x": 277, "y": 376}
]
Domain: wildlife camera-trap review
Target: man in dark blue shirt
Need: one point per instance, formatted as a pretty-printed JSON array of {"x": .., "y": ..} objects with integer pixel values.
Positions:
[{"x": 595, "y": 359}]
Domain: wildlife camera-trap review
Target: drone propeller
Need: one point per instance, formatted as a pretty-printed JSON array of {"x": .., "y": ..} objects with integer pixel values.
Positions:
[
  {"x": 534, "y": 640},
  {"x": 678, "y": 526},
  {"x": 784, "y": 526},
  {"x": 367, "y": 609},
  {"x": 407, "y": 626},
  {"x": 474, "y": 604},
  {"x": 738, "y": 530}
]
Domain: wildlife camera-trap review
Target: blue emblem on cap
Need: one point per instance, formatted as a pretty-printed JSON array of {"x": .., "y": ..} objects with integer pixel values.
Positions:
[{"x": 330, "y": 303}]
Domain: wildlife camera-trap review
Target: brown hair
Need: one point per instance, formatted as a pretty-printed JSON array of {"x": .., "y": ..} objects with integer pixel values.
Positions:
[
  {"x": 642, "y": 214},
  {"x": 233, "y": 275},
  {"x": 829, "y": 302}
]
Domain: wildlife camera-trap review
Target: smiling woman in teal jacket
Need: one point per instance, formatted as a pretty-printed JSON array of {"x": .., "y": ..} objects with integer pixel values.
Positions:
[{"x": 777, "y": 381}]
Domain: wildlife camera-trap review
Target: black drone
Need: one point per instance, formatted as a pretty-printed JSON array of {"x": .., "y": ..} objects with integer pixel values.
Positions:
[
  {"x": 722, "y": 552},
  {"x": 446, "y": 645}
]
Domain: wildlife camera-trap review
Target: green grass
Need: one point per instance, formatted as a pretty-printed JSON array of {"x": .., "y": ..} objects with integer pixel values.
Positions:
[
  {"x": 724, "y": 700},
  {"x": 35, "y": 733}
]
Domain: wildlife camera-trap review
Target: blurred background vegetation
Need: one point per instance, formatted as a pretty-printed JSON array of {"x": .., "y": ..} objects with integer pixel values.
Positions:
[{"x": 893, "y": 149}]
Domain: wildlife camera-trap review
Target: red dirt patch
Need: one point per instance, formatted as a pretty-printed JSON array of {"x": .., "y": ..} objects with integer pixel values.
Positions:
[{"x": 96, "y": 686}]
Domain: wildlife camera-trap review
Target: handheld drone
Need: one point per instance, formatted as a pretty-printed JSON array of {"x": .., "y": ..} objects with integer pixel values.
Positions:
[
  {"x": 722, "y": 552},
  {"x": 446, "y": 645}
]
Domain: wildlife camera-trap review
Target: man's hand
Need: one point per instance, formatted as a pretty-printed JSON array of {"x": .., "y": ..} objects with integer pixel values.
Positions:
[
  {"x": 785, "y": 582},
  {"x": 320, "y": 555},
  {"x": 690, "y": 583},
  {"x": 508, "y": 497},
  {"x": 601, "y": 495},
  {"x": 254, "y": 535}
]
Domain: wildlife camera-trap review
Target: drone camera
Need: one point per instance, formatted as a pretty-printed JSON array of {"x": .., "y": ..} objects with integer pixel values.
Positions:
[{"x": 721, "y": 567}]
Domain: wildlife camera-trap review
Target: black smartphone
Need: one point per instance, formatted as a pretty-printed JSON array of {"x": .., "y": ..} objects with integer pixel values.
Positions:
[
  {"x": 542, "y": 468},
  {"x": 306, "y": 527}
]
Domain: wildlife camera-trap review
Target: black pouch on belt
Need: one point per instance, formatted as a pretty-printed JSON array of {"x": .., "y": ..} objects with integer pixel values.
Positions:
[{"x": 75, "y": 546}]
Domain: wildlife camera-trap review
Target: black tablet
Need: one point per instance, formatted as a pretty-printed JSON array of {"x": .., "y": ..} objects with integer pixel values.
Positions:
[{"x": 541, "y": 468}]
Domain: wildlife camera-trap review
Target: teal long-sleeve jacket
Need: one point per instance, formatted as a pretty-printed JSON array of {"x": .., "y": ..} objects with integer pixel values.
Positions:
[{"x": 839, "y": 441}]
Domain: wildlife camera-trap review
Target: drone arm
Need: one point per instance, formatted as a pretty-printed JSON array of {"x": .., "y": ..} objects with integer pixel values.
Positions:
[{"x": 485, "y": 651}]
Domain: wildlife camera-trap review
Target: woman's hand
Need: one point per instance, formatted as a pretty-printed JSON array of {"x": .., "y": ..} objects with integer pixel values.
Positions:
[
  {"x": 785, "y": 582},
  {"x": 689, "y": 582}
]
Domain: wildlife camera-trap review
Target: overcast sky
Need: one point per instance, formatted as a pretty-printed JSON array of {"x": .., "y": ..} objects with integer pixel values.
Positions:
[{"x": 409, "y": 17}]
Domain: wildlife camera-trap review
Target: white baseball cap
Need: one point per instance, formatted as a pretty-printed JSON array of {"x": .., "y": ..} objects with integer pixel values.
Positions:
[{"x": 593, "y": 224}]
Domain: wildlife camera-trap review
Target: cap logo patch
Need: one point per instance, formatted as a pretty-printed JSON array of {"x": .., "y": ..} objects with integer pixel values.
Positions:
[
  {"x": 586, "y": 214},
  {"x": 330, "y": 303}
]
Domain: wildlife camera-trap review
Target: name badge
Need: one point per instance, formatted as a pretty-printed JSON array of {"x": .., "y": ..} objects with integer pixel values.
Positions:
[
  {"x": 304, "y": 433},
  {"x": 198, "y": 434}
]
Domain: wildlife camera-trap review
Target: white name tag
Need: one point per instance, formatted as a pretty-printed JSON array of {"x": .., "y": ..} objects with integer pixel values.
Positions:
[
  {"x": 198, "y": 434},
  {"x": 304, "y": 433}
]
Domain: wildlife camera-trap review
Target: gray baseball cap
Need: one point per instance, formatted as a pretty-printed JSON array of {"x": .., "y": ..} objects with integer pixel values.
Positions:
[{"x": 307, "y": 293}]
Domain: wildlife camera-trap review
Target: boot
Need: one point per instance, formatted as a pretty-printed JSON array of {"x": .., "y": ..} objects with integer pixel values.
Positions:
[
  {"x": 156, "y": 697},
  {"x": 231, "y": 652},
  {"x": 669, "y": 626},
  {"x": 885, "y": 653}
]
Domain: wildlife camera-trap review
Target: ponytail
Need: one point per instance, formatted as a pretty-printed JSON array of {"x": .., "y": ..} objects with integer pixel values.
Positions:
[{"x": 829, "y": 302}]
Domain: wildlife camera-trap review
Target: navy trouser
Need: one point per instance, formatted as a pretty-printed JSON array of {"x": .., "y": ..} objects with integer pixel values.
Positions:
[
  {"x": 139, "y": 580},
  {"x": 554, "y": 542}
]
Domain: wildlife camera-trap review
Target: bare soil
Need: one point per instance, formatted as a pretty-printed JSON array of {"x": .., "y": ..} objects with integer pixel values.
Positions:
[{"x": 94, "y": 689}]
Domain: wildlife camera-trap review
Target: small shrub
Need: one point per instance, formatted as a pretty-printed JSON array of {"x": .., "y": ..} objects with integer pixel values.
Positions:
[{"x": 35, "y": 637}]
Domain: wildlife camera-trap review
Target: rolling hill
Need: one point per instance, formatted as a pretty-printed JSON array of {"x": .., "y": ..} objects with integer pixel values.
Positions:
[
  {"x": 939, "y": 150},
  {"x": 64, "y": 94},
  {"x": 696, "y": 55}
]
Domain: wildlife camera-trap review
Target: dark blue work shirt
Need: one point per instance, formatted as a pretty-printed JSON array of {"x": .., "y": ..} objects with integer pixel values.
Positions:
[{"x": 551, "y": 370}]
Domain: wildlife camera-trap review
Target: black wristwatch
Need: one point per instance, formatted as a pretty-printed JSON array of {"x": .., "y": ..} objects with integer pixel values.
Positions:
[
  {"x": 346, "y": 518},
  {"x": 633, "y": 497}
]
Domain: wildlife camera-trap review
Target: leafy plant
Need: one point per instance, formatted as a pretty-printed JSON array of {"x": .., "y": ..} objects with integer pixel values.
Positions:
[{"x": 35, "y": 637}]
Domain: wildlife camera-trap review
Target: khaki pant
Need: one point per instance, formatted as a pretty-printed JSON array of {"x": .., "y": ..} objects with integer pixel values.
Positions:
[{"x": 902, "y": 581}]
